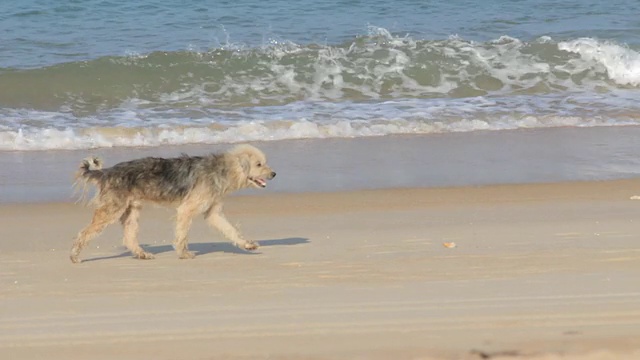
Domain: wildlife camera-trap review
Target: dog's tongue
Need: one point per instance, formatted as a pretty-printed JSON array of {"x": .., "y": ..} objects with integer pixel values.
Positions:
[{"x": 261, "y": 182}]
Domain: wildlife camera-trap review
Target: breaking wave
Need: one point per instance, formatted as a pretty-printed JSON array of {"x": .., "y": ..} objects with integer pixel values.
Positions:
[{"x": 378, "y": 84}]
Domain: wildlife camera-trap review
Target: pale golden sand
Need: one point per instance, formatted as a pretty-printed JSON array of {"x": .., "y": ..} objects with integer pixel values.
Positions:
[{"x": 544, "y": 271}]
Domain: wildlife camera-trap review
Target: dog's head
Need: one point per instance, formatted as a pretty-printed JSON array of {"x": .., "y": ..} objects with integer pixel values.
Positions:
[{"x": 254, "y": 165}]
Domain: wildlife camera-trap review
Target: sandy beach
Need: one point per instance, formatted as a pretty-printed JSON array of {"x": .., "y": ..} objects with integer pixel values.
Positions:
[
  {"x": 456, "y": 180},
  {"x": 540, "y": 271}
]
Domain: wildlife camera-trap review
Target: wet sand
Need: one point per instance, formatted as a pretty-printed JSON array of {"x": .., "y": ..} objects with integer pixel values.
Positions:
[{"x": 411, "y": 161}]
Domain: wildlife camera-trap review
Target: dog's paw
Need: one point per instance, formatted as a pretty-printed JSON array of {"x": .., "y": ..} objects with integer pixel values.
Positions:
[
  {"x": 251, "y": 246},
  {"x": 75, "y": 259},
  {"x": 144, "y": 256},
  {"x": 187, "y": 255}
]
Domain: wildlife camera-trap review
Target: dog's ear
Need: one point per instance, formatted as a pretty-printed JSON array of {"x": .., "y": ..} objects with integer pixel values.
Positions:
[
  {"x": 243, "y": 153},
  {"x": 245, "y": 164}
]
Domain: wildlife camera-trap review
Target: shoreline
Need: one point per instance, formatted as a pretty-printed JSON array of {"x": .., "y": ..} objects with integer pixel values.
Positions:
[
  {"x": 539, "y": 271},
  {"x": 402, "y": 161}
]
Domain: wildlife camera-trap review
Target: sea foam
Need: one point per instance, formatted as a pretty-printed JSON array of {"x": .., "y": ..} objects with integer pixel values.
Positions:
[
  {"x": 373, "y": 85},
  {"x": 621, "y": 63}
]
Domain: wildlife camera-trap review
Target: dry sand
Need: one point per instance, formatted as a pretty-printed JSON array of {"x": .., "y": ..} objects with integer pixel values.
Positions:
[{"x": 544, "y": 271}]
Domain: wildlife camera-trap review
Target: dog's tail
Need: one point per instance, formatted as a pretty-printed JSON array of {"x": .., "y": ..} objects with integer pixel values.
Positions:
[{"x": 90, "y": 171}]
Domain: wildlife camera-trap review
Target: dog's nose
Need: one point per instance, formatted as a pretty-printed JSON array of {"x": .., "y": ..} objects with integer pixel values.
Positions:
[{"x": 273, "y": 174}]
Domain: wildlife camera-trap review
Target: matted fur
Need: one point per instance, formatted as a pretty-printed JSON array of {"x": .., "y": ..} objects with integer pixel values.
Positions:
[{"x": 193, "y": 184}]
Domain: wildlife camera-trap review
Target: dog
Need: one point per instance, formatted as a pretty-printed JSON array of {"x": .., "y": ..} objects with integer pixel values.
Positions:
[{"x": 192, "y": 184}]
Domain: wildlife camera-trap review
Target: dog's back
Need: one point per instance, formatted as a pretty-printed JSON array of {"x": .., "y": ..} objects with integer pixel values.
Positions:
[{"x": 151, "y": 178}]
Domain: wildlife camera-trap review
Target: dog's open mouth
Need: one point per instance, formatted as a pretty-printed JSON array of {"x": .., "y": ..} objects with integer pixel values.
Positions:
[{"x": 258, "y": 182}]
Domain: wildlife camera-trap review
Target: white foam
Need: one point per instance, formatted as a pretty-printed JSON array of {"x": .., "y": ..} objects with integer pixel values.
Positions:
[
  {"x": 135, "y": 123},
  {"x": 377, "y": 85},
  {"x": 383, "y": 65},
  {"x": 621, "y": 63},
  {"x": 48, "y": 139}
]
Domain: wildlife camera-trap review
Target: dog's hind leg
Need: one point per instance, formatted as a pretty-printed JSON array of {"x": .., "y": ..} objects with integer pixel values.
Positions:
[
  {"x": 184, "y": 217},
  {"x": 104, "y": 215},
  {"x": 216, "y": 219},
  {"x": 129, "y": 220}
]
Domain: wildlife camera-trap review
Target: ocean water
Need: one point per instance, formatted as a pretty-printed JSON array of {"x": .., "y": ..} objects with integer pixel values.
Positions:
[{"x": 96, "y": 74}]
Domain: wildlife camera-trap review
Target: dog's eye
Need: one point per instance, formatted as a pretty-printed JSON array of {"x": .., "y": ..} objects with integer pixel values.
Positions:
[{"x": 259, "y": 164}]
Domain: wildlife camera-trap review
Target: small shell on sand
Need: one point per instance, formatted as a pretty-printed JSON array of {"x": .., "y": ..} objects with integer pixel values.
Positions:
[{"x": 449, "y": 245}]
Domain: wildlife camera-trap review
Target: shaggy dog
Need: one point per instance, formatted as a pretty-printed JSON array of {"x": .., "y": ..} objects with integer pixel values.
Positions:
[{"x": 193, "y": 184}]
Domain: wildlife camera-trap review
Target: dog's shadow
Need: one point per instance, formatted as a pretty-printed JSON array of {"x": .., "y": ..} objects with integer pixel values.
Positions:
[{"x": 207, "y": 248}]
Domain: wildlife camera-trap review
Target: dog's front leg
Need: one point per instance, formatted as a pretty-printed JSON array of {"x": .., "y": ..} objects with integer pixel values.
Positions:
[
  {"x": 184, "y": 216},
  {"x": 216, "y": 219}
]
